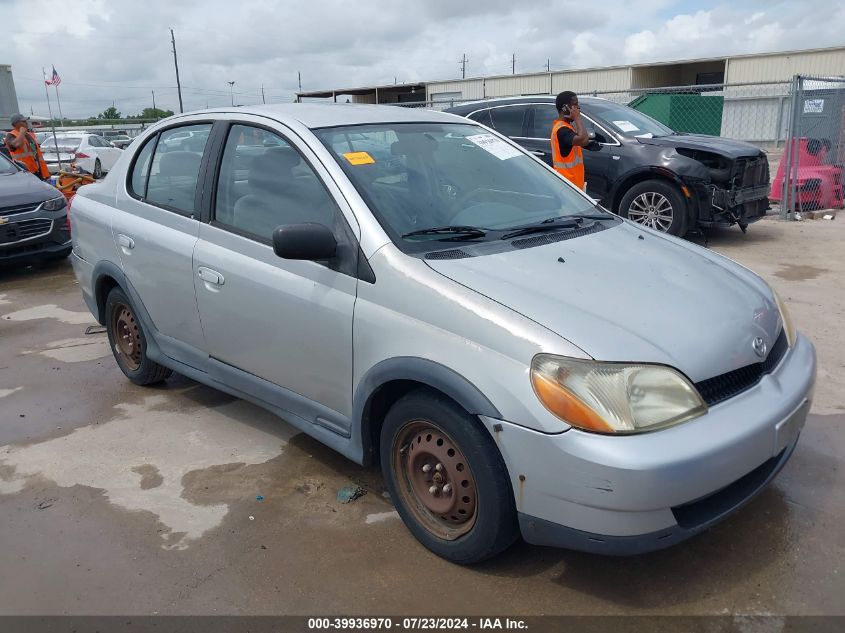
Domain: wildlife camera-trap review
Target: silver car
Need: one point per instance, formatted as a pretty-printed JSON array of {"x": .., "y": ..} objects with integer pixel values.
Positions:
[{"x": 413, "y": 289}]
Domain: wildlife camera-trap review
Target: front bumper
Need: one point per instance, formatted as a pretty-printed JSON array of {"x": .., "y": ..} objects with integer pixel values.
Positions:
[
  {"x": 30, "y": 237},
  {"x": 632, "y": 494}
]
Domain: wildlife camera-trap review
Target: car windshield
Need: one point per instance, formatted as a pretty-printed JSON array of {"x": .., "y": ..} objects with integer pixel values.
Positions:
[
  {"x": 6, "y": 166},
  {"x": 627, "y": 121},
  {"x": 457, "y": 179}
]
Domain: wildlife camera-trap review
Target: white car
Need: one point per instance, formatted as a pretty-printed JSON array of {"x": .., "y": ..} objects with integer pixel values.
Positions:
[{"x": 91, "y": 152}]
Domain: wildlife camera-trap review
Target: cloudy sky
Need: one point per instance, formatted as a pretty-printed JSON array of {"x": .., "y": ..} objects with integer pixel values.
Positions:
[{"x": 119, "y": 50}]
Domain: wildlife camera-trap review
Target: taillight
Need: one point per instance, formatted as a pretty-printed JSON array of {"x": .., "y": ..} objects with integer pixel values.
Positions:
[{"x": 82, "y": 155}]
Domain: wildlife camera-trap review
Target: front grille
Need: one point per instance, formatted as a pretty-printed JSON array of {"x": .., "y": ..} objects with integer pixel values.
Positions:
[
  {"x": 21, "y": 208},
  {"x": 700, "y": 513},
  {"x": 551, "y": 238},
  {"x": 751, "y": 172},
  {"x": 720, "y": 388},
  {"x": 25, "y": 229}
]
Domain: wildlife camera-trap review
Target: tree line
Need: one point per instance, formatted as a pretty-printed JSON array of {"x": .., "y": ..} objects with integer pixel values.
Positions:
[{"x": 111, "y": 114}]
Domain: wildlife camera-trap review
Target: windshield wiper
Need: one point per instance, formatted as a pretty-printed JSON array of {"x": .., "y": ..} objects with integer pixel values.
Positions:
[
  {"x": 551, "y": 224},
  {"x": 458, "y": 232}
]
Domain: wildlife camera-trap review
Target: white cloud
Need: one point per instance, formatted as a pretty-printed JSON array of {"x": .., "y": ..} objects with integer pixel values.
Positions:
[{"x": 120, "y": 50}]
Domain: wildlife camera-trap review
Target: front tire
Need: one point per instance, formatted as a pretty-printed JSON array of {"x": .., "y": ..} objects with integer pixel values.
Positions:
[
  {"x": 129, "y": 343},
  {"x": 447, "y": 479},
  {"x": 657, "y": 204}
]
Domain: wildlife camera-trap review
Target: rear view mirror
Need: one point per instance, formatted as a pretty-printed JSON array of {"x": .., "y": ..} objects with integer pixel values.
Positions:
[{"x": 314, "y": 242}]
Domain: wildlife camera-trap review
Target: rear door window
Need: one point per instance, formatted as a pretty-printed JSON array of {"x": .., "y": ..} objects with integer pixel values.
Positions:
[
  {"x": 544, "y": 118},
  {"x": 173, "y": 175},
  {"x": 509, "y": 120}
]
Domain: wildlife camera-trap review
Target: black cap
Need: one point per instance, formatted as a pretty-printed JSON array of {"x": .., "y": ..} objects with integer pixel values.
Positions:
[{"x": 16, "y": 118}]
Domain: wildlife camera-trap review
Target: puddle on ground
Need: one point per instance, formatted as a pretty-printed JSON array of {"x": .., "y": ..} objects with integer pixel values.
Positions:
[
  {"x": 77, "y": 350},
  {"x": 139, "y": 460},
  {"x": 799, "y": 272},
  {"x": 51, "y": 311}
]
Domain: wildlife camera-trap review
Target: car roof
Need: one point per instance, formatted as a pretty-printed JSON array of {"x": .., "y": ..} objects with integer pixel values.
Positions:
[
  {"x": 320, "y": 115},
  {"x": 472, "y": 106}
]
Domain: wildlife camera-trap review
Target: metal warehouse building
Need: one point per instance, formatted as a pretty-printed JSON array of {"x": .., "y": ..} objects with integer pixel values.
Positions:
[
  {"x": 753, "y": 90},
  {"x": 8, "y": 96}
]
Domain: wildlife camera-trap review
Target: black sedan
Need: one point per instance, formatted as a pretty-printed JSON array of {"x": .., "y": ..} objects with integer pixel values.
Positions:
[
  {"x": 33, "y": 218},
  {"x": 641, "y": 169}
]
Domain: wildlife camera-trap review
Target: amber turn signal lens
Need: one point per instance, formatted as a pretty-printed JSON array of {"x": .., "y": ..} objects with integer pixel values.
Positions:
[{"x": 566, "y": 406}]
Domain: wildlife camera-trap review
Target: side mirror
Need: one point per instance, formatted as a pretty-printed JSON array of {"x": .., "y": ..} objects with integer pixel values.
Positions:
[
  {"x": 314, "y": 242},
  {"x": 591, "y": 135}
]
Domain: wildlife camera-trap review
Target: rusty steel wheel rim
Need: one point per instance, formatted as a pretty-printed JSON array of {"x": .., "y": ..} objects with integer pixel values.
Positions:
[
  {"x": 435, "y": 480},
  {"x": 127, "y": 337}
]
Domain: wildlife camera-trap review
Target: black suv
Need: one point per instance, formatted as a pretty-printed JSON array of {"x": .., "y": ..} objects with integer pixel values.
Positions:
[
  {"x": 33, "y": 217},
  {"x": 640, "y": 168}
]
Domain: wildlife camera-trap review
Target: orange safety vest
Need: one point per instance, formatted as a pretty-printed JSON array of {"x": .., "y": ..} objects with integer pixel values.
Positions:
[
  {"x": 570, "y": 166},
  {"x": 32, "y": 158}
]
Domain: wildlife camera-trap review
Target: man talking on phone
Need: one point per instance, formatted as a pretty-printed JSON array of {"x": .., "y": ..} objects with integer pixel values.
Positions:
[{"x": 569, "y": 136}]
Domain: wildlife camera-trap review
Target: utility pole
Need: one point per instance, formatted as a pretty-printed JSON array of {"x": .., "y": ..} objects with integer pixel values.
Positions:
[
  {"x": 548, "y": 65},
  {"x": 154, "y": 99},
  {"x": 299, "y": 76},
  {"x": 513, "y": 64},
  {"x": 464, "y": 66},
  {"x": 232, "y": 91},
  {"x": 262, "y": 94},
  {"x": 176, "y": 64}
]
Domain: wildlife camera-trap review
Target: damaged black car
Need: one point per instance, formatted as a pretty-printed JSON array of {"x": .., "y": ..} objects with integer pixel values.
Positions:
[{"x": 641, "y": 169}]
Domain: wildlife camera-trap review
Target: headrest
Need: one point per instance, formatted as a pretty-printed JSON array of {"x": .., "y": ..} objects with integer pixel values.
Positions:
[
  {"x": 272, "y": 165},
  {"x": 179, "y": 164}
]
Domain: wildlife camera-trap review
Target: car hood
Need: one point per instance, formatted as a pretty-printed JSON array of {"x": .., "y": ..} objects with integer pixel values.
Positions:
[
  {"x": 630, "y": 294},
  {"x": 24, "y": 188},
  {"x": 716, "y": 144}
]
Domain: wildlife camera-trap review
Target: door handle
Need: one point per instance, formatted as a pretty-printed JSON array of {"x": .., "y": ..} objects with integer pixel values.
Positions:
[
  {"x": 210, "y": 276},
  {"x": 125, "y": 241}
]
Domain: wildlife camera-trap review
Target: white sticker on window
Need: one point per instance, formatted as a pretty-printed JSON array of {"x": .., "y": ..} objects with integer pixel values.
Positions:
[
  {"x": 494, "y": 145},
  {"x": 626, "y": 126}
]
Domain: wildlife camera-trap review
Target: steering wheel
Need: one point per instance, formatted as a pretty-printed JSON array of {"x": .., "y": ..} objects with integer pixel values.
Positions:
[{"x": 460, "y": 203}]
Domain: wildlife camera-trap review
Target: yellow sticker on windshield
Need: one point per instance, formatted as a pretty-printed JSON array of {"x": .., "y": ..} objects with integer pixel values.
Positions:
[{"x": 359, "y": 158}]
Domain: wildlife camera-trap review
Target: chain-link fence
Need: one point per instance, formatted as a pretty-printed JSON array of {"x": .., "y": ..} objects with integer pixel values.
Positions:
[
  {"x": 808, "y": 173},
  {"x": 811, "y": 175}
]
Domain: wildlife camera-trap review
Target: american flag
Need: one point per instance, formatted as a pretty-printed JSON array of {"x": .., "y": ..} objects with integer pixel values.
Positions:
[{"x": 55, "y": 80}]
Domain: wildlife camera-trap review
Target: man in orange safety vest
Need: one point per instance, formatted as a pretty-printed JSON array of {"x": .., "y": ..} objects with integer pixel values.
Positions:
[
  {"x": 23, "y": 147},
  {"x": 569, "y": 136}
]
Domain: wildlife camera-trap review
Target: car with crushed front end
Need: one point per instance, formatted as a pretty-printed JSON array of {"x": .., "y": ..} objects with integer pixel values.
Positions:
[
  {"x": 415, "y": 290},
  {"x": 640, "y": 168}
]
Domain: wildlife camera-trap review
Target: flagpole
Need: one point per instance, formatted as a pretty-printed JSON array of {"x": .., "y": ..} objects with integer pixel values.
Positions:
[
  {"x": 61, "y": 118},
  {"x": 52, "y": 123}
]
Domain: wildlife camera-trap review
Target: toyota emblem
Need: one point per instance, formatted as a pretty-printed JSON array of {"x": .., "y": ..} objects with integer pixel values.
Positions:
[{"x": 760, "y": 347}]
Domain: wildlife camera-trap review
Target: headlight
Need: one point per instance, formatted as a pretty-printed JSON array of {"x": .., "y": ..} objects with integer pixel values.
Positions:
[
  {"x": 617, "y": 398},
  {"x": 788, "y": 325},
  {"x": 54, "y": 204}
]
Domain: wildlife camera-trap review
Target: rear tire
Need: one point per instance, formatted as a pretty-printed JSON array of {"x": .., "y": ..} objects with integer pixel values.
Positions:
[
  {"x": 657, "y": 204},
  {"x": 129, "y": 342},
  {"x": 428, "y": 443}
]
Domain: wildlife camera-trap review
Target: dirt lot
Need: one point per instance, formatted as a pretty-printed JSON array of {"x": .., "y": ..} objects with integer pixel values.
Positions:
[{"x": 117, "y": 499}]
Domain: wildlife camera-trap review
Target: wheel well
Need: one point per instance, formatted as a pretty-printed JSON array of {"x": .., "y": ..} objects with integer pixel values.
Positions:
[
  {"x": 377, "y": 407},
  {"x": 101, "y": 291},
  {"x": 636, "y": 179}
]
